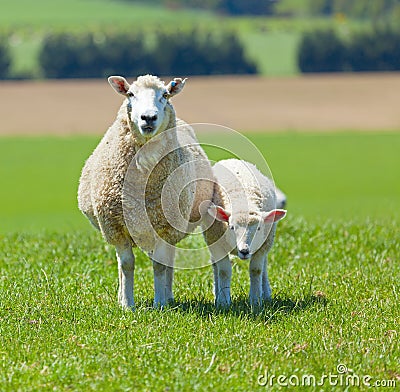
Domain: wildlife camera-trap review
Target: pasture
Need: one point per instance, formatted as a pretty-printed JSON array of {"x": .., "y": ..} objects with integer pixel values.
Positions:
[
  {"x": 335, "y": 176},
  {"x": 335, "y": 302},
  {"x": 334, "y": 268}
]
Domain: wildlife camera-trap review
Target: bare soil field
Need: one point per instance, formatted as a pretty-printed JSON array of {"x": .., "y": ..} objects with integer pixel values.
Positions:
[{"x": 307, "y": 103}]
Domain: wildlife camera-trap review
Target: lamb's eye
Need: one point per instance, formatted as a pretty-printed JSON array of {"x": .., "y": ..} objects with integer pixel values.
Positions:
[
  {"x": 258, "y": 228},
  {"x": 130, "y": 94},
  {"x": 232, "y": 227},
  {"x": 165, "y": 95}
]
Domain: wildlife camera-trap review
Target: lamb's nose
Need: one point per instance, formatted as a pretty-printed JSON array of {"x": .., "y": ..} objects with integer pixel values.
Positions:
[
  {"x": 149, "y": 118},
  {"x": 244, "y": 251}
]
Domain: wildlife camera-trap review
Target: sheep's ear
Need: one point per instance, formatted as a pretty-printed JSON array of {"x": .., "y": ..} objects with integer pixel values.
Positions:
[
  {"x": 274, "y": 215},
  {"x": 219, "y": 213},
  {"x": 119, "y": 84},
  {"x": 175, "y": 86}
]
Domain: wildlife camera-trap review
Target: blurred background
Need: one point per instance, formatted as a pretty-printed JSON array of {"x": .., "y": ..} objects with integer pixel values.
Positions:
[
  {"x": 93, "y": 38},
  {"x": 303, "y": 79}
]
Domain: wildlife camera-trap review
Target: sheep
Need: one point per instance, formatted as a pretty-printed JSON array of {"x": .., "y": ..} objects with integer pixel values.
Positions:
[
  {"x": 242, "y": 221},
  {"x": 125, "y": 190}
]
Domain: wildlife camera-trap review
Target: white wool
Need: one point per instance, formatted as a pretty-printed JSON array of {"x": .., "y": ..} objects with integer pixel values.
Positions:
[
  {"x": 121, "y": 213},
  {"x": 149, "y": 81},
  {"x": 247, "y": 198},
  {"x": 243, "y": 187}
]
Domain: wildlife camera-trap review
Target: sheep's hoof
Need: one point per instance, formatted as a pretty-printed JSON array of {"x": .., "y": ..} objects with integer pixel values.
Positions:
[
  {"x": 128, "y": 307},
  {"x": 256, "y": 305}
]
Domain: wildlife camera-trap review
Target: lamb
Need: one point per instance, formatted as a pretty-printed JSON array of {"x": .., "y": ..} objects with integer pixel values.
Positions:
[
  {"x": 242, "y": 221},
  {"x": 147, "y": 171}
]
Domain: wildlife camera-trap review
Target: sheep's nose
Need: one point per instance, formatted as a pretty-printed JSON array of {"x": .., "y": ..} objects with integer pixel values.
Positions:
[
  {"x": 244, "y": 253},
  {"x": 149, "y": 118}
]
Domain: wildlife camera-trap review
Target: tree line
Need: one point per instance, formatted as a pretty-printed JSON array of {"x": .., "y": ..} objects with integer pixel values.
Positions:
[
  {"x": 229, "y": 7},
  {"x": 355, "y": 8},
  {"x": 374, "y": 9},
  {"x": 327, "y": 51},
  {"x": 194, "y": 52},
  {"x": 96, "y": 55}
]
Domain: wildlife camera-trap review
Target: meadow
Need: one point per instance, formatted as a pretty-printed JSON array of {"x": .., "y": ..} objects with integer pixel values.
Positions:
[
  {"x": 343, "y": 176},
  {"x": 334, "y": 273}
]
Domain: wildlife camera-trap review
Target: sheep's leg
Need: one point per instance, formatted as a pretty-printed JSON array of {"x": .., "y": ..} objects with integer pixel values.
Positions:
[
  {"x": 169, "y": 296},
  {"x": 126, "y": 268},
  {"x": 163, "y": 260},
  {"x": 266, "y": 288},
  {"x": 159, "y": 271},
  {"x": 223, "y": 282},
  {"x": 256, "y": 274}
]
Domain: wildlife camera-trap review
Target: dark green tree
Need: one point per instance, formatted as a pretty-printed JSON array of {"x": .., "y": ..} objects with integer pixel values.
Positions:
[
  {"x": 90, "y": 55},
  {"x": 5, "y": 58},
  {"x": 322, "y": 51},
  {"x": 324, "y": 7},
  {"x": 378, "y": 50},
  {"x": 198, "y": 52},
  {"x": 247, "y": 7}
]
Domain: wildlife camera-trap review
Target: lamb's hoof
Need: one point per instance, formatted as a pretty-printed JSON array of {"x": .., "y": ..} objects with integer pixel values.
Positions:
[
  {"x": 164, "y": 305},
  {"x": 222, "y": 304},
  {"x": 267, "y": 300},
  {"x": 159, "y": 305}
]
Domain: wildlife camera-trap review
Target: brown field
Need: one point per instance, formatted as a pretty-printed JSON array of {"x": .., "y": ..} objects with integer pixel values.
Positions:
[{"x": 312, "y": 103}]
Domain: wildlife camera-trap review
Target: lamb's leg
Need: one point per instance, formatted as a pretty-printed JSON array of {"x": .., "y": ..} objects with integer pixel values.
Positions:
[
  {"x": 256, "y": 274},
  {"x": 163, "y": 260},
  {"x": 266, "y": 288},
  {"x": 224, "y": 275},
  {"x": 216, "y": 285},
  {"x": 126, "y": 268}
]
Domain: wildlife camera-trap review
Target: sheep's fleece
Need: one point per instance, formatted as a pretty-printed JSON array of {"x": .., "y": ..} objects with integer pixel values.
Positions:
[{"x": 133, "y": 188}]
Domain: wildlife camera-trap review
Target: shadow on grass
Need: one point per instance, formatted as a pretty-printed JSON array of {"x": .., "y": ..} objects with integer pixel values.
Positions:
[{"x": 276, "y": 308}]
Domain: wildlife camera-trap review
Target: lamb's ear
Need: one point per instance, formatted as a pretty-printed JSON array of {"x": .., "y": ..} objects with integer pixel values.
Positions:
[
  {"x": 274, "y": 215},
  {"x": 219, "y": 213},
  {"x": 119, "y": 84},
  {"x": 176, "y": 86}
]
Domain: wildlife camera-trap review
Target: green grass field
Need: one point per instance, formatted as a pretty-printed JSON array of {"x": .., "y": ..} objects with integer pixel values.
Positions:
[
  {"x": 336, "y": 301},
  {"x": 334, "y": 273},
  {"x": 338, "y": 176}
]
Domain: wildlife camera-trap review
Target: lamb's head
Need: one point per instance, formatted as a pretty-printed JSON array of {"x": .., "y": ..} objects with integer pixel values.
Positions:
[
  {"x": 246, "y": 231},
  {"x": 148, "y": 106}
]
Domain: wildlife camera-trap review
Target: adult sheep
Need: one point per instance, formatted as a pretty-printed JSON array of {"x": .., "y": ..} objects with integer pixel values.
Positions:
[
  {"x": 125, "y": 191},
  {"x": 241, "y": 221}
]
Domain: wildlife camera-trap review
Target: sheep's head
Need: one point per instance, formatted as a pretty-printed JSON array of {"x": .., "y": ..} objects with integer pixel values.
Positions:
[
  {"x": 246, "y": 232},
  {"x": 148, "y": 103}
]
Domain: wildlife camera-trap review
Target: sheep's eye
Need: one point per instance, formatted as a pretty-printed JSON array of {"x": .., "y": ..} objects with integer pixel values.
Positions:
[
  {"x": 232, "y": 227},
  {"x": 130, "y": 94},
  {"x": 165, "y": 95},
  {"x": 258, "y": 228}
]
